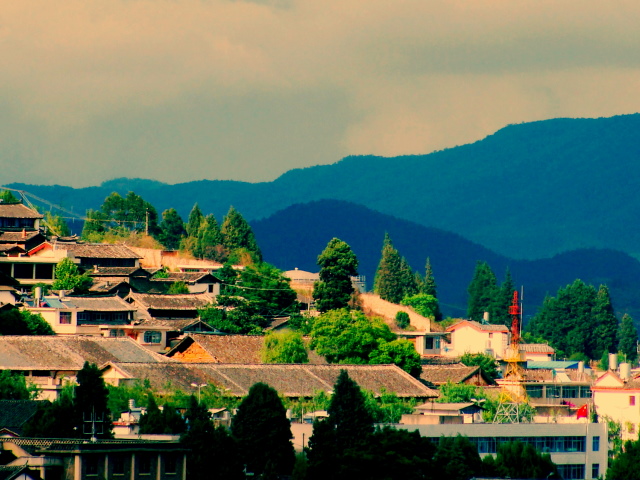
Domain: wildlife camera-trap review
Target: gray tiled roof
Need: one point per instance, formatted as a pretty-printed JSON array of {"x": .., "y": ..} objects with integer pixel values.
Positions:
[
  {"x": 111, "y": 303},
  {"x": 97, "y": 250},
  {"x": 187, "y": 301},
  {"x": 15, "y": 413},
  {"x": 289, "y": 380},
  {"x": 66, "y": 352},
  {"x": 17, "y": 210},
  {"x": 441, "y": 374}
]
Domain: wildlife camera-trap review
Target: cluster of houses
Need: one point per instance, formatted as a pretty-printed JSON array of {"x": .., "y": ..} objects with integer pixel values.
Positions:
[{"x": 134, "y": 331}]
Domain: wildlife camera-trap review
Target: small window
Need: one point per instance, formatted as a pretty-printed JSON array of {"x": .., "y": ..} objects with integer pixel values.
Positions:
[
  {"x": 118, "y": 465},
  {"x": 595, "y": 470},
  {"x": 65, "y": 318},
  {"x": 491, "y": 335},
  {"x": 152, "y": 337},
  {"x": 595, "y": 444},
  {"x": 170, "y": 464},
  {"x": 632, "y": 400},
  {"x": 144, "y": 465},
  {"x": 116, "y": 332}
]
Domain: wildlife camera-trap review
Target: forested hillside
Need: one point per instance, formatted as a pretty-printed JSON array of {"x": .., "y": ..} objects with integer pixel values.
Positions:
[
  {"x": 295, "y": 236},
  {"x": 528, "y": 191}
]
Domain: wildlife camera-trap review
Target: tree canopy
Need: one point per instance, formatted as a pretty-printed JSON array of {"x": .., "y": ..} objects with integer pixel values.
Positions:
[
  {"x": 337, "y": 264},
  {"x": 237, "y": 235},
  {"x": 263, "y": 432},
  {"x": 284, "y": 347},
  {"x": 68, "y": 277}
]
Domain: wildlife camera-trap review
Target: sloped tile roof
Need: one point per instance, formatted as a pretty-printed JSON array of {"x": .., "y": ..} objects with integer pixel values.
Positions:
[
  {"x": 15, "y": 413},
  {"x": 232, "y": 349},
  {"x": 111, "y": 303},
  {"x": 537, "y": 348},
  {"x": 116, "y": 271},
  {"x": 97, "y": 250},
  {"x": 67, "y": 352},
  {"x": 288, "y": 380},
  {"x": 17, "y": 210},
  {"x": 441, "y": 374},
  {"x": 187, "y": 301},
  {"x": 548, "y": 375},
  {"x": 18, "y": 237},
  {"x": 175, "y": 324}
]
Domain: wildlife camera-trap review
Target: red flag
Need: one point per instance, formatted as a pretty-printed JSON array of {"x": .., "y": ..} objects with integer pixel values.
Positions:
[{"x": 583, "y": 411}]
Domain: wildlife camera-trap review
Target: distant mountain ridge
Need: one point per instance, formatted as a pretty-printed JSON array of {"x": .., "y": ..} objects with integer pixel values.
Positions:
[
  {"x": 528, "y": 191},
  {"x": 295, "y": 236}
]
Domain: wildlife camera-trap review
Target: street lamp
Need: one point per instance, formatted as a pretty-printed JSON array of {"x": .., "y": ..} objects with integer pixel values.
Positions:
[{"x": 198, "y": 386}]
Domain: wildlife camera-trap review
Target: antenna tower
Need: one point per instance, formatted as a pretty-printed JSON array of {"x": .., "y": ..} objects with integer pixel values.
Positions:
[{"x": 513, "y": 394}]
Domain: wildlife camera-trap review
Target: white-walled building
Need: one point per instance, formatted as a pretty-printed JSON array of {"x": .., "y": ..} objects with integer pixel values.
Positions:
[
  {"x": 619, "y": 399},
  {"x": 468, "y": 336}
]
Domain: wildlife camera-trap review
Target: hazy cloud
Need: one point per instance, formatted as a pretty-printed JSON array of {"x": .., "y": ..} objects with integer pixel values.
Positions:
[{"x": 179, "y": 90}]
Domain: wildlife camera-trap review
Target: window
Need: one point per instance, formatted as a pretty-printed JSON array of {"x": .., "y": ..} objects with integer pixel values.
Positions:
[
  {"x": 571, "y": 472},
  {"x": 534, "y": 391},
  {"x": 116, "y": 332},
  {"x": 91, "y": 465},
  {"x": 553, "y": 392},
  {"x": 170, "y": 464},
  {"x": 595, "y": 470},
  {"x": 570, "y": 392},
  {"x": 595, "y": 444},
  {"x": 632, "y": 400},
  {"x": 118, "y": 464},
  {"x": 585, "y": 392},
  {"x": 65, "y": 318},
  {"x": 152, "y": 337},
  {"x": 144, "y": 464}
]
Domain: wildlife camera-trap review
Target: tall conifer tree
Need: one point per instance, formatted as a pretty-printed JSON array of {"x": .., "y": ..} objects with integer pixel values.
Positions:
[
  {"x": 388, "y": 282},
  {"x": 237, "y": 234},
  {"x": 628, "y": 338},
  {"x": 430, "y": 287},
  {"x": 605, "y": 324},
  {"x": 482, "y": 290},
  {"x": 337, "y": 264}
]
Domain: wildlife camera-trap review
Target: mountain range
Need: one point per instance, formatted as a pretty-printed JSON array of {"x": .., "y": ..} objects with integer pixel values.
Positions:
[
  {"x": 295, "y": 236},
  {"x": 528, "y": 191}
]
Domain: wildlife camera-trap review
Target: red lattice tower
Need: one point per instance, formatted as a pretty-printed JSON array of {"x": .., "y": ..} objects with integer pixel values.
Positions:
[{"x": 514, "y": 311}]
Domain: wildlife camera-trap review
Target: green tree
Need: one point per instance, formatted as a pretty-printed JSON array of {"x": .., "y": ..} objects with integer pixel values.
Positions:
[
  {"x": 68, "y": 277},
  {"x": 57, "y": 225},
  {"x": 284, "y": 347},
  {"x": 402, "y": 319},
  {"x": 486, "y": 363},
  {"x": 348, "y": 414},
  {"x": 177, "y": 288},
  {"x": 429, "y": 287},
  {"x": 407, "y": 279},
  {"x": 625, "y": 465},
  {"x": 212, "y": 451},
  {"x": 268, "y": 289},
  {"x": 566, "y": 320},
  {"x": 6, "y": 196},
  {"x": 151, "y": 421},
  {"x": 237, "y": 234},
  {"x": 13, "y": 386},
  {"x": 400, "y": 352},
  {"x": 337, "y": 265},
  {"x": 483, "y": 291},
  {"x": 91, "y": 398},
  {"x": 208, "y": 243},
  {"x": 263, "y": 432},
  {"x": 130, "y": 213},
  {"x": 520, "y": 460},
  {"x": 344, "y": 336},
  {"x": 16, "y": 322},
  {"x": 605, "y": 323},
  {"x": 458, "y": 393},
  {"x": 456, "y": 458},
  {"x": 503, "y": 300},
  {"x": 55, "y": 419},
  {"x": 388, "y": 280},
  {"x": 628, "y": 338},
  {"x": 424, "y": 304},
  {"x": 171, "y": 229},
  {"x": 94, "y": 226},
  {"x": 194, "y": 221}
]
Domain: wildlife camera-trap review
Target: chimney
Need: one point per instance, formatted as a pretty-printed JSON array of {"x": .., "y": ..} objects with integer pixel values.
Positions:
[
  {"x": 132, "y": 404},
  {"x": 24, "y": 233},
  {"x": 95, "y": 269},
  {"x": 485, "y": 318}
]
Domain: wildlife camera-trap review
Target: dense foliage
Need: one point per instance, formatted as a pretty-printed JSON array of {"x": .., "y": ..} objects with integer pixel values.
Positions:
[
  {"x": 337, "y": 264},
  {"x": 68, "y": 277},
  {"x": 520, "y": 460},
  {"x": 23, "y": 322},
  {"x": 13, "y": 386},
  {"x": 284, "y": 347},
  {"x": 263, "y": 432},
  {"x": 579, "y": 319},
  {"x": 628, "y": 338}
]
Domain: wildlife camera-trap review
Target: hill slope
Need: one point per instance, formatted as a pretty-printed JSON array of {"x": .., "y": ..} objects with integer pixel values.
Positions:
[
  {"x": 528, "y": 191},
  {"x": 295, "y": 236}
]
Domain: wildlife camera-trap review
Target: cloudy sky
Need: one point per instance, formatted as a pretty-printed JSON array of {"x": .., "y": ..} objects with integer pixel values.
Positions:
[{"x": 178, "y": 90}]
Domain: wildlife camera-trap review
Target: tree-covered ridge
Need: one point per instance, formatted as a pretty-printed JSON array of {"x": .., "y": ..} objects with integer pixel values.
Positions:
[{"x": 521, "y": 218}]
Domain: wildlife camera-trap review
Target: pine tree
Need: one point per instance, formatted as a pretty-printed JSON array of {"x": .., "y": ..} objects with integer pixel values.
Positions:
[
  {"x": 209, "y": 239},
  {"x": 388, "y": 279},
  {"x": 7, "y": 196},
  {"x": 194, "y": 221},
  {"x": 628, "y": 338},
  {"x": 605, "y": 324},
  {"x": 407, "y": 279},
  {"x": 337, "y": 264},
  {"x": 171, "y": 229},
  {"x": 263, "y": 432},
  {"x": 90, "y": 400},
  {"x": 349, "y": 414},
  {"x": 237, "y": 234},
  {"x": 504, "y": 299},
  {"x": 482, "y": 290},
  {"x": 430, "y": 287}
]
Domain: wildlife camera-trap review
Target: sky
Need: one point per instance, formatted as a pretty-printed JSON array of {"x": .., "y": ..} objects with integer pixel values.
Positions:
[{"x": 180, "y": 90}]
